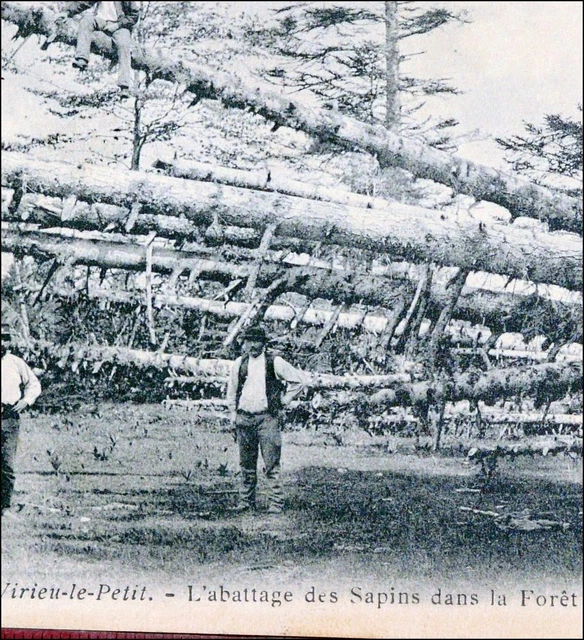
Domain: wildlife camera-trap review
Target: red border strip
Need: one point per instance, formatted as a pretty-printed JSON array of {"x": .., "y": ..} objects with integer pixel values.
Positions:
[{"x": 71, "y": 634}]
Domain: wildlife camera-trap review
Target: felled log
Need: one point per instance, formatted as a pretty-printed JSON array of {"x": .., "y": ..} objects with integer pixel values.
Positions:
[
  {"x": 69, "y": 353},
  {"x": 320, "y": 381},
  {"x": 49, "y": 212},
  {"x": 551, "y": 381},
  {"x": 266, "y": 180},
  {"x": 488, "y": 455},
  {"x": 372, "y": 322},
  {"x": 205, "y": 369},
  {"x": 519, "y": 521},
  {"x": 522, "y": 354},
  {"x": 412, "y": 233},
  {"x": 539, "y": 446},
  {"x": 554, "y": 380},
  {"x": 271, "y": 181},
  {"x": 506, "y": 417},
  {"x": 112, "y": 255},
  {"x": 116, "y": 251},
  {"x": 520, "y": 197},
  {"x": 329, "y": 381},
  {"x": 502, "y": 311}
]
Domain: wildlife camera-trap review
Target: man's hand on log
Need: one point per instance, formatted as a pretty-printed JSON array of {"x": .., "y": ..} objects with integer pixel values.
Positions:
[
  {"x": 110, "y": 27},
  {"x": 58, "y": 22}
]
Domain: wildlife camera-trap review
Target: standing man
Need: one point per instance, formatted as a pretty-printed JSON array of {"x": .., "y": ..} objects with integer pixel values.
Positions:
[
  {"x": 115, "y": 19},
  {"x": 254, "y": 395},
  {"x": 20, "y": 389}
]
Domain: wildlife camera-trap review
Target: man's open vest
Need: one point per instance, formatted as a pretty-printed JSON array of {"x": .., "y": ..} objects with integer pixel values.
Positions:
[{"x": 274, "y": 386}]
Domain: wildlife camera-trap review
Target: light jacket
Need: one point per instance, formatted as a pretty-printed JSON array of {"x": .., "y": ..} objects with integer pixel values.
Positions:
[{"x": 128, "y": 12}]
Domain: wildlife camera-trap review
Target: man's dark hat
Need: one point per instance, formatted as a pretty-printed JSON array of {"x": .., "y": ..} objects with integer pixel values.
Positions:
[{"x": 255, "y": 333}]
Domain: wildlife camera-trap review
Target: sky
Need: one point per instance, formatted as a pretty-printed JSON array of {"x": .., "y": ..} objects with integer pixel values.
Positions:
[{"x": 515, "y": 61}]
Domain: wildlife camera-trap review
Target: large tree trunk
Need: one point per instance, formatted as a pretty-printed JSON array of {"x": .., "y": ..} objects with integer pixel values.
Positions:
[
  {"x": 371, "y": 322},
  {"x": 264, "y": 180},
  {"x": 502, "y": 312},
  {"x": 114, "y": 255},
  {"x": 520, "y": 197},
  {"x": 412, "y": 233},
  {"x": 215, "y": 370}
]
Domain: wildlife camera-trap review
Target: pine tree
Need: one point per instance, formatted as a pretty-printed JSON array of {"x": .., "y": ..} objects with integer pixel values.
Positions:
[
  {"x": 348, "y": 57},
  {"x": 549, "y": 150}
]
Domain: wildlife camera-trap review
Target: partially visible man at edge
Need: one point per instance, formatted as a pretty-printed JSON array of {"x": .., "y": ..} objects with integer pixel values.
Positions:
[
  {"x": 254, "y": 396},
  {"x": 20, "y": 389}
]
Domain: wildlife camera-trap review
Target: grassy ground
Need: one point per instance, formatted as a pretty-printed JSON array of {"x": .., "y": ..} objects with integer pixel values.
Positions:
[{"x": 141, "y": 492}]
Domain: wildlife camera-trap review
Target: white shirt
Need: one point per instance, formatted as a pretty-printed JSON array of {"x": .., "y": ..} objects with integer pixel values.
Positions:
[
  {"x": 107, "y": 11},
  {"x": 18, "y": 381},
  {"x": 253, "y": 397}
]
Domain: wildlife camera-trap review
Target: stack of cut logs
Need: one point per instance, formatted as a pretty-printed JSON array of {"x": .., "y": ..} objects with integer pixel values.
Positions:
[{"x": 391, "y": 271}]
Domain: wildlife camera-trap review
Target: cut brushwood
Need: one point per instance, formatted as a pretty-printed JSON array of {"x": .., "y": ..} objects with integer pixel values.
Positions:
[
  {"x": 71, "y": 353},
  {"x": 348, "y": 319}
]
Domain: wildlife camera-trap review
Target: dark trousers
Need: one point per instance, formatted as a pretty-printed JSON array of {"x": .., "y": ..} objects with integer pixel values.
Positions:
[
  {"x": 255, "y": 433},
  {"x": 10, "y": 428},
  {"x": 122, "y": 39}
]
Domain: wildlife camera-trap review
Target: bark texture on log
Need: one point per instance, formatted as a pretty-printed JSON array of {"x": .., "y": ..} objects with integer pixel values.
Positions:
[
  {"x": 412, "y": 233},
  {"x": 202, "y": 367},
  {"x": 113, "y": 255},
  {"x": 503, "y": 418},
  {"x": 542, "y": 447},
  {"x": 264, "y": 180},
  {"x": 49, "y": 212},
  {"x": 502, "y": 312},
  {"x": 520, "y": 197},
  {"x": 214, "y": 370},
  {"x": 552, "y": 381}
]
